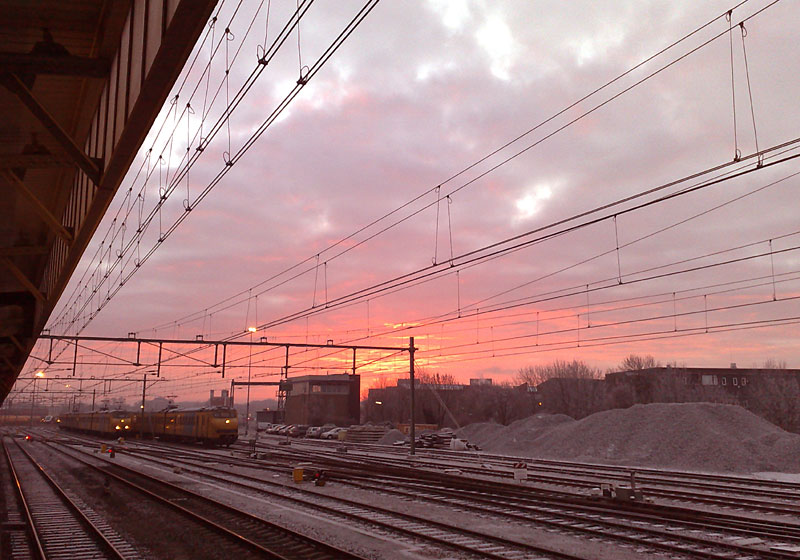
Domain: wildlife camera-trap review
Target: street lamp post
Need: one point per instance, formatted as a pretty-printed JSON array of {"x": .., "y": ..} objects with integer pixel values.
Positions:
[
  {"x": 36, "y": 377},
  {"x": 141, "y": 408},
  {"x": 251, "y": 330}
]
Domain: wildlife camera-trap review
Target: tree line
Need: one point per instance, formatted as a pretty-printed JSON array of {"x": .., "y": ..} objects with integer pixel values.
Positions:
[{"x": 578, "y": 389}]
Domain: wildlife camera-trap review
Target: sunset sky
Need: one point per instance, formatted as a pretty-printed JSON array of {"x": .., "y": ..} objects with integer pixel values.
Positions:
[{"x": 416, "y": 95}]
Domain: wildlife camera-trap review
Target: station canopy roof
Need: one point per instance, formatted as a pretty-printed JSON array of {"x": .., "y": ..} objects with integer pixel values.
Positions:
[{"x": 81, "y": 82}]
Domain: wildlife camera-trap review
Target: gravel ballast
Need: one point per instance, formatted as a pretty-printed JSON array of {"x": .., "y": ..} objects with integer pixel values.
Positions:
[{"x": 692, "y": 436}]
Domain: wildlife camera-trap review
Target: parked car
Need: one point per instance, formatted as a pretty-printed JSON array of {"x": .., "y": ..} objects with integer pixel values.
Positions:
[
  {"x": 298, "y": 430},
  {"x": 333, "y": 433},
  {"x": 314, "y": 431},
  {"x": 285, "y": 429},
  {"x": 275, "y": 428}
]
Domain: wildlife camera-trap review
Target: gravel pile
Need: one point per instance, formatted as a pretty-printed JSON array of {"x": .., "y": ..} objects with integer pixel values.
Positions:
[
  {"x": 391, "y": 436},
  {"x": 691, "y": 436},
  {"x": 515, "y": 438}
]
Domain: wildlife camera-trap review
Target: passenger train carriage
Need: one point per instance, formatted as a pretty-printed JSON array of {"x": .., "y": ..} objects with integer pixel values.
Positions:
[
  {"x": 213, "y": 425},
  {"x": 109, "y": 423}
]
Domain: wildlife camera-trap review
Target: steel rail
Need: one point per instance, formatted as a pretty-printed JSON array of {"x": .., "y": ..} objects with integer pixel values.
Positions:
[
  {"x": 643, "y": 475},
  {"x": 108, "y": 468},
  {"x": 525, "y": 504},
  {"x": 95, "y": 533},
  {"x": 371, "y": 514},
  {"x": 30, "y": 527}
]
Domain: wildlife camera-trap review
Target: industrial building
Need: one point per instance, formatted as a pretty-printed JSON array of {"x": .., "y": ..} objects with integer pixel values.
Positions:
[
  {"x": 323, "y": 399},
  {"x": 222, "y": 400},
  {"x": 732, "y": 385}
]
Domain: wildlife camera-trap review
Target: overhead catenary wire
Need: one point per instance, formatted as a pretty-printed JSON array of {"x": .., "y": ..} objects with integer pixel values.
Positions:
[
  {"x": 780, "y": 149},
  {"x": 627, "y": 339},
  {"x": 465, "y": 169},
  {"x": 235, "y": 158},
  {"x": 320, "y": 62},
  {"x": 502, "y": 247},
  {"x": 684, "y": 191},
  {"x": 754, "y": 14},
  {"x": 276, "y": 45},
  {"x": 326, "y": 283},
  {"x": 209, "y": 31}
]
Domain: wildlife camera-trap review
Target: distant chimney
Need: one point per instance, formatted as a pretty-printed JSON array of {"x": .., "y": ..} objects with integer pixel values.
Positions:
[
  {"x": 211, "y": 397},
  {"x": 733, "y": 365}
]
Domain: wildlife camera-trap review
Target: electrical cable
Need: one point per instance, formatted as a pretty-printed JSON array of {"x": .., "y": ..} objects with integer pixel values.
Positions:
[{"x": 464, "y": 170}]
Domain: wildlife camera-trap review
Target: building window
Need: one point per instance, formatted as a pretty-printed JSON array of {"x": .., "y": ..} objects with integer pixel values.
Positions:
[
  {"x": 736, "y": 381},
  {"x": 725, "y": 380},
  {"x": 744, "y": 381},
  {"x": 316, "y": 389}
]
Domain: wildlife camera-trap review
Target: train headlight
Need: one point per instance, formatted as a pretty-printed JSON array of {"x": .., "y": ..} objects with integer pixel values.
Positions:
[
  {"x": 227, "y": 420},
  {"x": 117, "y": 427}
]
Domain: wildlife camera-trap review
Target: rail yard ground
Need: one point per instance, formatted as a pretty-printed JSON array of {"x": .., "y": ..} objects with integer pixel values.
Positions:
[{"x": 376, "y": 501}]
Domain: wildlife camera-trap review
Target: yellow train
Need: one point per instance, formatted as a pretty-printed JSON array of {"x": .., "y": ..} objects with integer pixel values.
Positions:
[
  {"x": 212, "y": 426},
  {"x": 109, "y": 423}
]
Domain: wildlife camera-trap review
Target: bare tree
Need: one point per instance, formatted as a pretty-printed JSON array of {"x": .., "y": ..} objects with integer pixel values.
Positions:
[
  {"x": 636, "y": 362},
  {"x": 775, "y": 395},
  {"x": 573, "y": 388},
  {"x": 498, "y": 403},
  {"x": 436, "y": 396},
  {"x": 773, "y": 364},
  {"x": 535, "y": 375}
]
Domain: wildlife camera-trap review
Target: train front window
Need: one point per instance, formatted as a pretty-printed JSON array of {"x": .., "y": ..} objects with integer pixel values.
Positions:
[{"x": 224, "y": 414}]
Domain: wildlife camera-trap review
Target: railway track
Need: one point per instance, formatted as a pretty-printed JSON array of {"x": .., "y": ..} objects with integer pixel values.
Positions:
[
  {"x": 733, "y": 492},
  {"x": 60, "y": 525},
  {"x": 14, "y": 545},
  {"x": 764, "y": 501},
  {"x": 253, "y": 537},
  {"x": 595, "y": 523},
  {"x": 731, "y": 537},
  {"x": 711, "y": 481},
  {"x": 723, "y": 491},
  {"x": 394, "y": 525}
]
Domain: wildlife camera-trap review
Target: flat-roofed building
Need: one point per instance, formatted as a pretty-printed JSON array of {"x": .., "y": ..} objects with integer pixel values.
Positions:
[{"x": 323, "y": 399}]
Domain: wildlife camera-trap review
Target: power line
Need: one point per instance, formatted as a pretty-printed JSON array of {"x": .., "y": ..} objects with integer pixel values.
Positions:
[
  {"x": 503, "y": 247},
  {"x": 197, "y": 315}
]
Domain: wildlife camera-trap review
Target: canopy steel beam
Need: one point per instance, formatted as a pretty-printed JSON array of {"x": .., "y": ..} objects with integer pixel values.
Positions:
[
  {"x": 33, "y": 161},
  {"x": 40, "y": 208},
  {"x": 83, "y": 161},
  {"x": 23, "y": 279},
  {"x": 23, "y": 251},
  {"x": 65, "y": 65},
  {"x": 15, "y": 341},
  {"x": 186, "y": 25}
]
